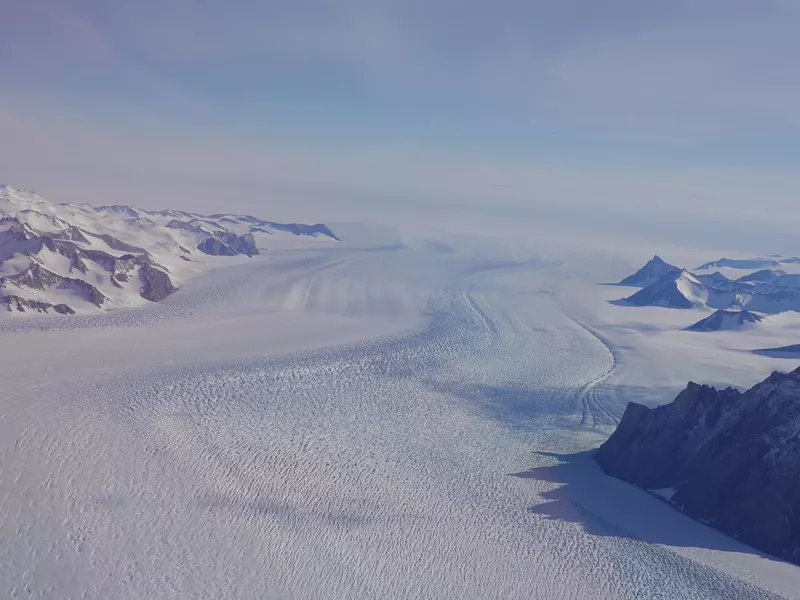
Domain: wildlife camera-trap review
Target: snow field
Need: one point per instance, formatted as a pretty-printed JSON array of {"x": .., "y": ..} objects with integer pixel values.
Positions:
[{"x": 403, "y": 423}]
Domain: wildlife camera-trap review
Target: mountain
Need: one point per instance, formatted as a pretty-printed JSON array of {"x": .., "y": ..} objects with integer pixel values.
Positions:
[
  {"x": 718, "y": 281},
  {"x": 792, "y": 351},
  {"x": 788, "y": 281},
  {"x": 713, "y": 278},
  {"x": 762, "y": 276},
  {"x": 681, "y": 290},
  {"x": 68, "y": 258},
  {"x": 651, "y": 272},
  {"x": 745, "y": 263},
  {"x": 772, "y": 298},
  {"x": 729, "y": 459},
  {"x": 687, "y": 290},
  {"x": 726, "y": 320}
]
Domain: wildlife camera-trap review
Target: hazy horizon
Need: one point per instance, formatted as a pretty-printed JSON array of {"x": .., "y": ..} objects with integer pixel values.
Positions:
[{"x": 607, "y": 118}]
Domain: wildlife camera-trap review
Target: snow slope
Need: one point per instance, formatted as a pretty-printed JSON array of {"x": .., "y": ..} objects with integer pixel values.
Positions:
[{"x": 385, "y": 422}]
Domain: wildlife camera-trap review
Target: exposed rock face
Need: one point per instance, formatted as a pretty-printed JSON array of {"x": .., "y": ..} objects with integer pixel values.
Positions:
[
  {"x": 762, "y": 276},
  {"x": 156, "y": 284},
  {"x": 746, "y": 263},
  {"x": 21, "y": 304},
  {"x": 681, "y": 290},
  {"x": 726, "y": 319},
  {"x": 226, "y": 243},
  {"x": 791, "y": 351},
  {"x": 39, "y": 278},
  {"x": 687, "y": 290},
  {"x": 654, "y": 270},
  {"x": 112, "y": 256},
  {"x": 732, "y": 458},
  {"x": 301, "y": 229}
]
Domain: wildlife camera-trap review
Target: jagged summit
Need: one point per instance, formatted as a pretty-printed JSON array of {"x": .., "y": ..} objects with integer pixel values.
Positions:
[
  {"x": 654, "y": 270},
  {"x": 726, "y": 320},
  {"x": 67, "y": 258},
  {"x": 728, "y": 458}
]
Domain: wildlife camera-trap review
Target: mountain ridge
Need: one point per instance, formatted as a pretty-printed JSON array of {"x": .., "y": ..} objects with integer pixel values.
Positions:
[
  {"x": 67, "y": 258},
  {"x": 728, "y": 458}
]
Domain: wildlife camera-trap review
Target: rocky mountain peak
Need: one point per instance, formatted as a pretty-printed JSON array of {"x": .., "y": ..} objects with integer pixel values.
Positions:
[{"x": 732, "y": 458}]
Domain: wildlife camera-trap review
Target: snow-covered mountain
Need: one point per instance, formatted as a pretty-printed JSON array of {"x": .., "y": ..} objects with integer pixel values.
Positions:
[
  {"x": 654, "y": 270},
  {"x": 728, "y": 458},
  {"x": 67, "y": 258},
  {"x": 718, "y": 281},
  {"x": 683, "y": 290},
  {"x": 741, "y": 263},
  {"x": 726, "y": 320},
  {"x": 689, "y": 290},
  {"x": 762, "y": 276}
]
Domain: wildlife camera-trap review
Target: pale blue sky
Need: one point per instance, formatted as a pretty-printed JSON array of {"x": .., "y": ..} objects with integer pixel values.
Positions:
[{"x": 625, "y": 104}]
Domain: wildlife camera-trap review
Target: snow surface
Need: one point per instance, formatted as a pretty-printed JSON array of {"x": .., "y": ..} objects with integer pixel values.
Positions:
[
  {"x": 408, "y": 418},
  {"x": 665, "y": 493}
]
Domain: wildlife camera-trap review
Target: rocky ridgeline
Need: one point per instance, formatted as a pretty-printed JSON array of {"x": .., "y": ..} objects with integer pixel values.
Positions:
[
  {"x": 61, "y": 257},
  {"x": 767, "y": 290},
  {"x": 727, "y": 458}
]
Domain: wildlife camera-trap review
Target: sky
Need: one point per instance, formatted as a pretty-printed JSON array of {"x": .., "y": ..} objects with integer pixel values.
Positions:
[{"x": 614, "y": 110}]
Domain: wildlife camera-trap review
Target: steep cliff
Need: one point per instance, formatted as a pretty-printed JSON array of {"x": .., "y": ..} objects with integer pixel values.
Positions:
[{"x": 728, "y": 458}]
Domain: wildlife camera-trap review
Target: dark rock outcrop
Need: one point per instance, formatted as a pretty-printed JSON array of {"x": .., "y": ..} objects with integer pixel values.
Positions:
[
  {"x": 226, "y": 243},
  {"x": 156, "y": 284},
  {"x": 53, "y": 253},
  {"x": 687, "y": 290},
  {"x": 651, "y": 272},
  {"x": 732, "y": 458},
  {"x": 741, "y": 263},
  {"x": 791, "y": 351},
  {"x": 117, "y": 244},
  {"x": 762, "y": 276},
  {"x": 37, "y": 277},
  {"x": 681, "y": 290},
  {"x": 302, "y": 229},
  {"x": 23, "y": 304},
  {"x": 726, "y": 319}
]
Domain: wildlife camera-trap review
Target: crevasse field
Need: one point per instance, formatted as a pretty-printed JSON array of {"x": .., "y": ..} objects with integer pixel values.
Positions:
[{"x": 408, "y": 419}]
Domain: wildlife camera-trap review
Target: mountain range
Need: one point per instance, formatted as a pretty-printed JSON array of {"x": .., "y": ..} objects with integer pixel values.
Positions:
[
  {"x": 765, "y": 290},
  {"x": 730, "y": 459},
  {"x": 67, "y": 258}
]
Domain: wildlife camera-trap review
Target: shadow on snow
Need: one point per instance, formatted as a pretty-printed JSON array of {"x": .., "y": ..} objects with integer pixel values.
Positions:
[{"x": 606, "y": 506}]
